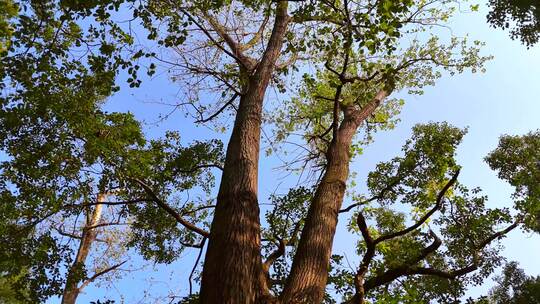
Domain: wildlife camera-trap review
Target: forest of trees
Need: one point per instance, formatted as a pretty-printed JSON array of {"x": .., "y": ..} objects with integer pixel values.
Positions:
[{"x": 83, "y": 190}]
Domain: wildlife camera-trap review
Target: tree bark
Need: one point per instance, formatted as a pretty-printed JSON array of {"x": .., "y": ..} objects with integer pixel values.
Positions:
[
  {"x": 307, "y": 280},
  {"x": 232, "y": 271},
  {"x": 72, "y": 290}
]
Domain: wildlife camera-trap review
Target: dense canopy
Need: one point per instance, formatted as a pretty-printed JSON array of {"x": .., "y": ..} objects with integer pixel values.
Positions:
[{"x": 86, "y": 191}]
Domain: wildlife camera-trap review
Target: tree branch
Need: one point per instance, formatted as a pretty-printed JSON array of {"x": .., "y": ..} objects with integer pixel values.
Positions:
[
  {"x": 257, "y": 37},
  {"x": 220, "y": 76},
  {"x": 65, "y": 233},
  {"x": 200, "y": 245},
  {"x": 397, "y": 179},
  {"x": 98, "y": 274},
  {"x": 133, "y": 201},
  {"x": 348, "y": 208},
  {"x": 186, "y": 212},
  {"x": 170, "y": 210},
  {"x": 274, "y": 256},
  {"x": 499, "y": 234},
  {"x": 366, "y": 260},
  {"x": 106, "y": 224},
  {"x": 424, "y": 218},
  {"x": 272, "y": 51},
  {"x": 241, "y": 58},
  {"x": 361, "y": 115},
  {"x": 292, "y": 59},
  {"x": 228, "y": 103},
  {"x": 406, "y": 268},
  {"x": 198, "y": 167},
  {"x": 243, "y": 61},
  {"x": 203, "y": 241}
]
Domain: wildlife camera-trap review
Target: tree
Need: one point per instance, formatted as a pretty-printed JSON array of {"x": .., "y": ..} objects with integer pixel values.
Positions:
[
  {"x": 522, "y": 17},
  {"x": 516, "y": 161},
  {"x": 513, "y": 286},
  {"x": 421, "y": 230},
  {"x": 64, "y": 153},
  {"x": 524, "y": 289},
  {"x": 87, "y": 238},
  {"x": 235, "y": 50}
]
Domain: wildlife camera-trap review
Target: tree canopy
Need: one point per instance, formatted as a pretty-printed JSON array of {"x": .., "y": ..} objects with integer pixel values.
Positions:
[
  {"x": 522, "y": 17},
  {"x": 83, "y": 188},
  {"x": 513, "y": 286}
]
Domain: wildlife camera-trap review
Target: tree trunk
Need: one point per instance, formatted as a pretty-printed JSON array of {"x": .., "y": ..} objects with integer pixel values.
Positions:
[
  {"x": 232, "y": 271},
  {"x": 307, "y": 280},
  {"x": 71, "y": 290}
]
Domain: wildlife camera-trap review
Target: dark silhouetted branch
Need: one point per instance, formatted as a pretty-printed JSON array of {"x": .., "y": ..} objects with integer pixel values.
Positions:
[
  {"x": 98, "y": 274},
  {"x": 424, "y": 218},
  {"x": 170, "y": 210},
  {"x": 228, "y": 103}
]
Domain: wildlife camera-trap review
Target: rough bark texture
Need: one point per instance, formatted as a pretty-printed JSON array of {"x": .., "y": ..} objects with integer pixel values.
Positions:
[
  {"x": 71, "y": 290},
  {"x": 232, "y": 271},
  {"x": 309, "y": 272}
]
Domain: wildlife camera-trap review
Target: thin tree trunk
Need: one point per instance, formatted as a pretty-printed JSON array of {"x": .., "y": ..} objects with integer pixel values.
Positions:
[
  {"x": 72, "y": 290},
  {"x": 307, "y": 280},
  {"x": 232, "y": 271}
]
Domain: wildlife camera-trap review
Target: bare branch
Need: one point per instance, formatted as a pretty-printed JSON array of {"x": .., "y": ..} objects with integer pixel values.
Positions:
[
  {"x": 191, "y": 211},
  {"x": 220, "y": 76},
  {"x": 133, "y": 201},
  {"x": 198, "y": 167},
  {"x": 65, "y": 233},
  {"x": 199, "y": 245},
  {"x": 203, "y": 241},
  {"x": 348, "y": 208},
  {"x": 228, "y": 103},
  {"x": 257, "y": 37},
  {"x": 98, "y": 274},
  {"x": 304, "y": 19},
  {"x": 105, "y": 225},
  {"x": 236, "y": 55},
  {"x": 242, "y": 59}
]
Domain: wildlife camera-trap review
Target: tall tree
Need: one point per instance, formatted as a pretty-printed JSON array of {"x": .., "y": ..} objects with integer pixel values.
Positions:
[
  {"x": 56, "y": 134},
  {"x": 63, "y": 152}
]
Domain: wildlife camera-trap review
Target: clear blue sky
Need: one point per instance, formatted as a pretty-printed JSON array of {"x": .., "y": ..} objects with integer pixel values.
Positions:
[{"x": 504, "y": 100}]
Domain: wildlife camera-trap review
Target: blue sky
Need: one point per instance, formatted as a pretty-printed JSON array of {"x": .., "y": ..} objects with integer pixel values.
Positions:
[{"x": 504, "y": 100}]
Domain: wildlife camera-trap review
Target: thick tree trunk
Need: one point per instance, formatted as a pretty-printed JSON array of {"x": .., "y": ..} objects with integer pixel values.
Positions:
[
  {"x": 72, "y": 290},
  {"x": 232, "y": 266},
  {"x": 309, "y": 272},
  {"x": 232, "y": 272}
]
